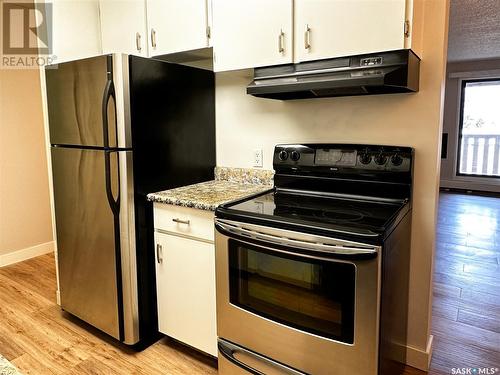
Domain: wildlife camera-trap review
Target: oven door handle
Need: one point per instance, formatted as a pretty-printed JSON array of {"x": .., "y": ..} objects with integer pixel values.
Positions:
[
  {"x": 319, "y": 247},
  {"x": 229, "y": 351}
]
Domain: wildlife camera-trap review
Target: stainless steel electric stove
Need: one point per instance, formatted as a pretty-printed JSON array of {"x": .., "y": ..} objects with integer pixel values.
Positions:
[{"x": 312, "y": 275}]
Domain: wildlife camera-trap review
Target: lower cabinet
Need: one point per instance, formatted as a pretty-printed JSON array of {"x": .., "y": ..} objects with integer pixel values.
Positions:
[{"x": 185, "y": 280}]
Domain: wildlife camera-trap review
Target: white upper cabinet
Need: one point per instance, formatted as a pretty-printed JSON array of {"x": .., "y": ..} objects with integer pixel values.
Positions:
[
  {"x": 177, "y": 25},
  {"x": 75, "y": 29},
  {"x": 123, "y": 25},
  {"x": 333, "y": 28},
  {"x": 414, "y": 25},
  {"x": 252, "y": 33},
  {"x": 244, "y": 33}
]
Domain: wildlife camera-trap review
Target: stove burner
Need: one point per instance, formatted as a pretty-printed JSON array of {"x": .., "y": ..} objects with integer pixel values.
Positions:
[
  {"x": 330, "y": 214},
  {"x": 342, "y": 215},
  {"x": 312, "y": 207}
]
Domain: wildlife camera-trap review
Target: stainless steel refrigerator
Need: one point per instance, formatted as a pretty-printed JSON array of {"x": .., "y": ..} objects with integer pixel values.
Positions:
[{"x": 121, "y": 127}]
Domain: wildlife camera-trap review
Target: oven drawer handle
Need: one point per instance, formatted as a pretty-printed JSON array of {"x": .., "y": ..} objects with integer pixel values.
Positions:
[
  {"x": 228, "y": 351},
  {"x": 319, "y": 247}
]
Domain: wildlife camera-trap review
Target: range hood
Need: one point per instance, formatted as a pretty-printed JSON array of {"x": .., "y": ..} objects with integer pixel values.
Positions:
[{"x": 370, "y": 74}]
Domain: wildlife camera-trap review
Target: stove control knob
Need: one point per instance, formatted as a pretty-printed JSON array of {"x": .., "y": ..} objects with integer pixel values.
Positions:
[
  {"x": 295, "y": 156},
  {"x": 365, "y": 158},
  {"x": 283, "y": 155},
  {"x": 380, "y": 159},
  {"x": 396, "y": 160}
]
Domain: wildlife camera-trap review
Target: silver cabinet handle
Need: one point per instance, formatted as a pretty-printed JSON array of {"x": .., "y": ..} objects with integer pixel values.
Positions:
[
  {"x": 281, "y": 42},
  {"x": 407, "y": 29},
  {"x": 180, "y": 221},
  {"x": 307, "y": 38},
  {"x": 153, "y": 38},
  {"x": 138, "y": 41},
  {"x": 159, "y": 254}
]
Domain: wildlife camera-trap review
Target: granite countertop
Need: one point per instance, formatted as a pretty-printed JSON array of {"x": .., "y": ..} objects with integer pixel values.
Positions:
[
  {"x": 7, "y": 368},
  {"x": 229, "y": 184}
]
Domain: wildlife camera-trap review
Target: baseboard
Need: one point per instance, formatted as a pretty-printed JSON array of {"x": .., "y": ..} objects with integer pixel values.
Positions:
[
  {"x": 27, "y": 253},
  {"x": 470, "y": 192},
  {"x": 474, "y": 184},
  {"x": 419, "y": 358}
]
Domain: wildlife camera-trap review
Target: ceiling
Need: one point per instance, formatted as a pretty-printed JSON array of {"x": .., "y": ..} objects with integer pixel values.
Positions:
[{"x": 474, "y": 30}]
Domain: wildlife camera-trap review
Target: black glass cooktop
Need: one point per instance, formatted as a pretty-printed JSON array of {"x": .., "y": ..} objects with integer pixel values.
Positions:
[{"x": 355, "y": 217}]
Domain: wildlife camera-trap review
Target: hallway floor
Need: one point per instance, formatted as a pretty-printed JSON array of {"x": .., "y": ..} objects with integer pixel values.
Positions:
[
  {"x": 40, "y": 339},
  {"x": 466, "y": 306}
]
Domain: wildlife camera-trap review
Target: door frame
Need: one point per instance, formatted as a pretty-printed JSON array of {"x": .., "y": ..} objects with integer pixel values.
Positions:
[
  {"x": 452, "y": 180},
  {"x": 462, "y": 85}
]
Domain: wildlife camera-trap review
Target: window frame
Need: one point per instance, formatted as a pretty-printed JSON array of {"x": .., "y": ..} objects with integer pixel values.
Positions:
[{"x": 463, "y": 85}]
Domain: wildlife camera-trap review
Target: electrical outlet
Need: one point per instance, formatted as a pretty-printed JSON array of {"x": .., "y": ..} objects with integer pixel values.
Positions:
[
  {"x": 258, "y": 207},
  {"x": 257, "y": 157}
]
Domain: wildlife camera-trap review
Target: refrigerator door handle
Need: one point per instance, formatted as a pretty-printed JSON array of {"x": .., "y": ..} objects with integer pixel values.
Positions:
[
  {"x": 109, "y": 92},
  {"x": 114, "y": 203}
]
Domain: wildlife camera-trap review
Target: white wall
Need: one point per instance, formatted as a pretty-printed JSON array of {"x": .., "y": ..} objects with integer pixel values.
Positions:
[
  {"x": 245, "y": 123},
  {"x": 25, "y": 216},
  {"x": 456, "y": 72}
]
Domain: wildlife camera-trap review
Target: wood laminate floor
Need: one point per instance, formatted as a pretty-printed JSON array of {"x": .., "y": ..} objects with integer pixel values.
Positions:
[
  {"x": 40, "y": 339},
  {"x": 466, "y": 305}
]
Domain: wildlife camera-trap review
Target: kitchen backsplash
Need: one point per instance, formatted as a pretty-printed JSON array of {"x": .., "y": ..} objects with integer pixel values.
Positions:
[{"x": 244, "y": 175}]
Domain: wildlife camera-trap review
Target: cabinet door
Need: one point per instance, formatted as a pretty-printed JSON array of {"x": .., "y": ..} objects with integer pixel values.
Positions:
[
  {"x": 177, "y": 25},
  {"x": 185, "y": 281},
  {"x": 414, "y": 29},
  {"x": 123, "y": 25},
  {"x": 251, "y": 33},
  {"x": 333, "y": 28},
  {"x": 75, "y": 29}
]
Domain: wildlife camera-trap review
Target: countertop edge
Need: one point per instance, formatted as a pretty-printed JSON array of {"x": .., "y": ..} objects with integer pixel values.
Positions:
[
  {"x": 197, "y": 202},
  {"x": 183, "y": 203}
]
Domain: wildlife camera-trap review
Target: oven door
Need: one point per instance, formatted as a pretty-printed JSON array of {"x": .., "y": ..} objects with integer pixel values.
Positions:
[{"x": 310, "y": 303}]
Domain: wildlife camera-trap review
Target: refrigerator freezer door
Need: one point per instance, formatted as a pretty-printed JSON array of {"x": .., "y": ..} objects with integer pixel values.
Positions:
[
  {"x": 86, "y": 233},
  {"x": 81, "y": 103}
]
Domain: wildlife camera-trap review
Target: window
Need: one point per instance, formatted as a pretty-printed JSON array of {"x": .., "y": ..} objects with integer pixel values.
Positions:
[
  {"x": 315, "y": 296},
  {"x": 479, "y": 136}
]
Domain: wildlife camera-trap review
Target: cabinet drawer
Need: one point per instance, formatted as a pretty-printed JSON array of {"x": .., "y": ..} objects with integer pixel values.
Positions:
[{"x": 185, "y": 221}]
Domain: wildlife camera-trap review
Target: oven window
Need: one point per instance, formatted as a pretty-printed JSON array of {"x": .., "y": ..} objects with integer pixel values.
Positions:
[{"x": 315, "y": 296}]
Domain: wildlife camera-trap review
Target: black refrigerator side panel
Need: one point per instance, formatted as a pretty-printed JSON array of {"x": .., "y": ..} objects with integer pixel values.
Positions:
[
  {"x": 173, "y": 124},
  {"x": 173, "y": 138}
]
